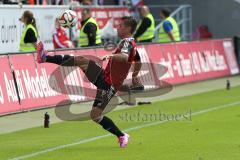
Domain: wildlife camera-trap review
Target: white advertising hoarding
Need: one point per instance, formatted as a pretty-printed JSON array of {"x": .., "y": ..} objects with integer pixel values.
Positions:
[{"x": 11, "y": 28}]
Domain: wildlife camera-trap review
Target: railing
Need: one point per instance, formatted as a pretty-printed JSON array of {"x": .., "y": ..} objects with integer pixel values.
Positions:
[{"x": 183, "y": 16}]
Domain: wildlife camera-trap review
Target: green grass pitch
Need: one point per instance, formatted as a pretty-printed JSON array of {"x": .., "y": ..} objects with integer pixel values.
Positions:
[{"x": 210, "y": 132}]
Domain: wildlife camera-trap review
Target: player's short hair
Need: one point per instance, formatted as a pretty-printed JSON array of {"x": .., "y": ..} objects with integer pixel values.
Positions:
[
  {"x": 166, "y": 12},
  {"x": 130, "y": 22}
]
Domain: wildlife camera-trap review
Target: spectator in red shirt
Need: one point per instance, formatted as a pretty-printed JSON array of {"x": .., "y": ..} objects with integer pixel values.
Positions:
[
  {"x": 202, "y": 32},
  {"x": 60, "y": 38}
]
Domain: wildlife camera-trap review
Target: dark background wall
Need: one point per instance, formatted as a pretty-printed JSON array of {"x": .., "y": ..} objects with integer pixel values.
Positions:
[{"x": 221, "y": 16}]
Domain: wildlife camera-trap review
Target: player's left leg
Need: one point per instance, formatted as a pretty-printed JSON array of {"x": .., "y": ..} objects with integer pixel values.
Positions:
[
  {"x": 109, "y": 125},
  {"x": 104, "y": 121},
  {"x": 104, "y": 94}
]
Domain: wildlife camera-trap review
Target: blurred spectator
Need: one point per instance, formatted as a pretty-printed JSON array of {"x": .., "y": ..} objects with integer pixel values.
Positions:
[
  {"x": 89, "y": 32},
  {"x": 87, "y": 2},
  {"x": 169, "y": 31},
  {"x": 56, "y": 2},
  {"x": 137, "y": 2},
  {"x": 80, "y": 2},
  {"x": 146, "y": 27},
  {"x": 29, "y": 34},
  {"x": 38, "y": 2},
  {"x": 131, "y": 2},
  {"x": 98, "y": 2},
  {"x": 60, "y": 39},
  {"x": 31, "y": 2},
  {"x": 202, "y": 32},
  {"x": 10, "y": 1},
  {"x": 105, "y": 2}
]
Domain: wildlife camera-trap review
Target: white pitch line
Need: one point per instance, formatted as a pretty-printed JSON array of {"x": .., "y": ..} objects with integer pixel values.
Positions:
[{"x": 127, "y": 130}]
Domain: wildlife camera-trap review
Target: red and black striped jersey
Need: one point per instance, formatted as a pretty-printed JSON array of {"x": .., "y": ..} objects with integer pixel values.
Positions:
[{"x": 116, "y": 72}]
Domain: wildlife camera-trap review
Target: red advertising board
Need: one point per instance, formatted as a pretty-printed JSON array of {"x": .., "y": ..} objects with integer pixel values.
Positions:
[
  {"x": 228, "y": 49},
  {"x": 55, "y": 90},
  {"x": 8, "y": 93},
  {"x": 189, "y": 62},
  {"x": 147, "y": 76},
  {"x": 32, "y": 83},
  {"x": 43, "y": 85}
]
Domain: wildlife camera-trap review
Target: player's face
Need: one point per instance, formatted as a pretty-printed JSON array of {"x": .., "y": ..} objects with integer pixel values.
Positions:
[{"x": 122, "y": 30}]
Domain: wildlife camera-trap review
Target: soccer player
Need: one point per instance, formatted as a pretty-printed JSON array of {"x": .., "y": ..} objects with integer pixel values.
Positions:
[{"x": 107, "y": 80}]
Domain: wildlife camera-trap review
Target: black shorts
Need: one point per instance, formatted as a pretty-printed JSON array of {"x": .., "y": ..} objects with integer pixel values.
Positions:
[{"x": 105, "y": 91}]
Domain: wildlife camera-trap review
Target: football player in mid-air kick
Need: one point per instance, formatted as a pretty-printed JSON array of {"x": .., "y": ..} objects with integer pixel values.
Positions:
[{"x": 108, "y": 80}]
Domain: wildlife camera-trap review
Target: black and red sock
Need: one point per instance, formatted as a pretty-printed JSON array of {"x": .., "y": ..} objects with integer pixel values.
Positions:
[{"x": 109, "y": 125}]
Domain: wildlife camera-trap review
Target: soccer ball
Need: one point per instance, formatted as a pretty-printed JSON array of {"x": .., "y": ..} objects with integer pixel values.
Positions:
[{"x": 68, "y": 19}]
